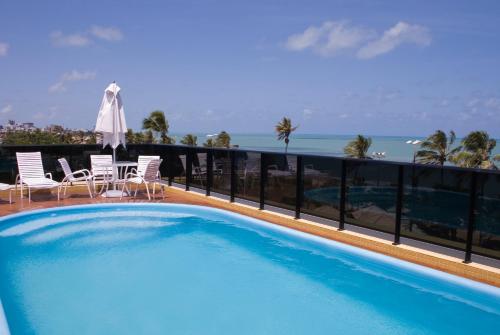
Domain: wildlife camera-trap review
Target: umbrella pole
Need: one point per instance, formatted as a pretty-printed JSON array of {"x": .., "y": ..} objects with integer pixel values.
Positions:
[{"x": 115, "y": 170}]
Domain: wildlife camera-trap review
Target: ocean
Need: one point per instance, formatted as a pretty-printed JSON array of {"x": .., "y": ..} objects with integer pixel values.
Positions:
[{"x": 395, "y": 147}]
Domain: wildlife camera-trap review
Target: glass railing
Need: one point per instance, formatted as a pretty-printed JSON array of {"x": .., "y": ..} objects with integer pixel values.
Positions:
[{"x": 447, "y": 206}]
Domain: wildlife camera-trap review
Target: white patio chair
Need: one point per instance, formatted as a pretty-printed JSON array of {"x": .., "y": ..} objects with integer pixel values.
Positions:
[
  {"x": 77, "y": 176},
  {"x": 101, "y": 167},
  {"x": 32, "y": 175},
  {"x": 142, "y": 163},
  {"x": 7, "y": 187},
  {"x": 150, "y": 177}
]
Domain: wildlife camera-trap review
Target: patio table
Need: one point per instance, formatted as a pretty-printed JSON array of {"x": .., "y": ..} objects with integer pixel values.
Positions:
[{"x": 119, "y": 170}]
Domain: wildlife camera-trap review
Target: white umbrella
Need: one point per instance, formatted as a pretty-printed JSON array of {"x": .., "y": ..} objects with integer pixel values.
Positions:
[
  {"x": 111, "y": 123},
  {"x": 111, "y": 119}
]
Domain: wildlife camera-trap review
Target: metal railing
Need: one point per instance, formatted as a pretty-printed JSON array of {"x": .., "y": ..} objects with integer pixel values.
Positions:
[{"x": 447, "y": 206}]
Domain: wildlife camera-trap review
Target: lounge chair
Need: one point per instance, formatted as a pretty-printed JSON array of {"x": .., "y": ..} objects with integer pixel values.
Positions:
[
  {"x": 102, "y": 170},
  {"x": 150, "y": 177},
  {"x": 7, "y": 187},
  {"x": 77, "y": 176},
  {"x": 32, "y": 175}
]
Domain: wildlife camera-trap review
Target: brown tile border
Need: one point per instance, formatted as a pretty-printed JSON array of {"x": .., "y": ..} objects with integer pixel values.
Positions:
[{"x": 452, "y": 265}]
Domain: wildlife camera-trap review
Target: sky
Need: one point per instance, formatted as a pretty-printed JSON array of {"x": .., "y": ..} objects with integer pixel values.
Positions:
[{"x": 335, "y": 67}]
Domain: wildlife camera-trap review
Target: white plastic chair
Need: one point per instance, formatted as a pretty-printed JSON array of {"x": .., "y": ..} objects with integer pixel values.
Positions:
[
  {"x": 142, "y": 163},
  {"x": 77, "y": 176},
  {"x": 150, "y": 177},
  {"x": 32, "y": 175},
  {"x": 7, "y": 187},
  {"x": 102, "y": 170}
]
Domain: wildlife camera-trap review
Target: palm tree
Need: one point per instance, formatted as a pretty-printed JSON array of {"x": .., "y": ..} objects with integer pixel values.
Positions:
[
  {"x": 189, "y": 139},
  {"x": 284, "y": 129},
  {"x": 223, "y": 140},
  {"x": 209, "y": 143},
  {"x": 148, "y": 137},
  {"x": 129, "y": 136},
  {"x": 157, "y": 123},
  {"x": 437, "y": 148},
  {"x": 475, "y": 151},
  {"x": 139, "y": 137},
  {"x": 359, "y": 147}
]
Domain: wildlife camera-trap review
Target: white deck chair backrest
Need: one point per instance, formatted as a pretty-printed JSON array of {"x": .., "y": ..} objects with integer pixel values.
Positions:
[
  {"x": 30, "y": 165},
  {"x": 101, "y": 164},
  {"x": 65, "y": 166},
  {"x": 183, "y": 161},
  {"x": 151, "y": 172},
  {"x": 142, "y": 163}
]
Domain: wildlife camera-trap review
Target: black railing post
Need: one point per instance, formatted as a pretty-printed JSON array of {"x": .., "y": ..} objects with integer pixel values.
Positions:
[
  {"x": 170, "y": 167},
  {"x": 232, "y": 191},
  {"x": 210, "y": 170},
  {"x": 472, "y": 214},
  {"x": 342, "y": 196},
  {"x": 189, "y": 168},
  {"x": 299, "y": 186},
  {"x": 263, "y": 177},
  {"x": 399, "y": 205}
]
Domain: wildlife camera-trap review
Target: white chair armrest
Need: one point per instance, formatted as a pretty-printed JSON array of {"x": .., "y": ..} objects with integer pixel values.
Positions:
[
  {"x": 84, "y": 172},
  {"x": 48, "y": 174}
]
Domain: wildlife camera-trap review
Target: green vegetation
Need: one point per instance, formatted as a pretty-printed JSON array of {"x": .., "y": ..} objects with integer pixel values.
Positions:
[
  {"x": 158, "y": 124},
  {"x": 222, "y": 140},
  {"x": 284, "y": 129},
  {"x": 437, "y": 148},
  {"x": 358, "y": 148},
  {"x": 475, "y": 151},
  {"x": 190, "y": 139},
  {"x": 45, "y": 137}
]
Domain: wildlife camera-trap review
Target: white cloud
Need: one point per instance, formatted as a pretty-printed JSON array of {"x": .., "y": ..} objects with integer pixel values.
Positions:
[
  {"x": 71, "y": 40},
  {"x": 71, "y": 76},
  {"x": 493, "y": 103},
  {"x": 85, "y": 38},
  {"x": 401, "y": 33},
  {"x": 330, "y": 38},
  {"x": 4, "y": 48},
  {"x": 307, "y": 113},
  {"x": 106, "y": 33},
  {"x": 49, "y": 115},
  {"x": 57, "y": 87},
  {"x": 6, "y": 110},
  {"x": 77, "y": 75}
]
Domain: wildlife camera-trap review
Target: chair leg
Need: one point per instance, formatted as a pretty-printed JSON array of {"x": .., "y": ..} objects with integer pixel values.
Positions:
[
  {"x": 147, "y": 190},
  {"x": 29, "y": 194},
  {"x": 90, "y": 192},
  {"x": 162, "y": 191},
  {"x": 59, "y": 193},
  {"x": 123, "y": 189}
]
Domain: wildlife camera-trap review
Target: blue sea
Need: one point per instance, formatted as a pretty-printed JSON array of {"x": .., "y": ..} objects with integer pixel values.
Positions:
[{"x": 395, "y": 147}]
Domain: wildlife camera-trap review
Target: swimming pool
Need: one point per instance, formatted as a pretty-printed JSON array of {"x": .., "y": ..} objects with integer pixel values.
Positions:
[{"x": 180, "y": 269}]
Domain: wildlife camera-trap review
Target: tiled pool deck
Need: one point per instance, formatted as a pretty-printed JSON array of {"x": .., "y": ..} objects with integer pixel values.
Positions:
[{"x": 453, "y": 265}]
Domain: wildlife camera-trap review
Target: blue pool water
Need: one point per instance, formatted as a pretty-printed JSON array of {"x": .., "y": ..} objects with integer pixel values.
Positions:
[{"x": 178, "y": 269}]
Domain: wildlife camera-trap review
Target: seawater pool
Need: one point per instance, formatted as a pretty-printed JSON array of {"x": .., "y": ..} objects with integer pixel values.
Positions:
[{"x": 180, "y": 269}]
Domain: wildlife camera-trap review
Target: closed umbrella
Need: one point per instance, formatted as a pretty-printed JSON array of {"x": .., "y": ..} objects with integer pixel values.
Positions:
[{"x": 111, "y": 119}]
